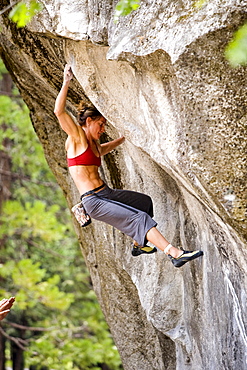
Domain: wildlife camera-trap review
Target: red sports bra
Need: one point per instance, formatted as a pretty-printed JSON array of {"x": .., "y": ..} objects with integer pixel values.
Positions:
[{"x": 87, "y": 158}]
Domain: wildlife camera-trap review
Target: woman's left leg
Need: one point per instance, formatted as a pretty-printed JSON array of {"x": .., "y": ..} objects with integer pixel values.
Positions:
[
  {"x": 156, "y": 238},
  {"x": 177, "y": 256}
]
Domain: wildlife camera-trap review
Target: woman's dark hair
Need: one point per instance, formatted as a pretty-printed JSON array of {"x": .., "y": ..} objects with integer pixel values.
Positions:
[{"x": 85, "y": 111}]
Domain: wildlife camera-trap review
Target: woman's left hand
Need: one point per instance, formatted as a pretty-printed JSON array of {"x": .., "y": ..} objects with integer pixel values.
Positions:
[
  {"x": 108, "y": 147},
  {"x": 121, "y": 140}
]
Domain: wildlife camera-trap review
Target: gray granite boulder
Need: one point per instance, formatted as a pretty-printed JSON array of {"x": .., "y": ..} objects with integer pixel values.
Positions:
[{"x": 160, "y": 78}]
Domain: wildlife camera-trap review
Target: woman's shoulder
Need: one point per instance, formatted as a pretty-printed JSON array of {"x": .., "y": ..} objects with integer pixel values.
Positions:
[{"x": 81, "y": 140}]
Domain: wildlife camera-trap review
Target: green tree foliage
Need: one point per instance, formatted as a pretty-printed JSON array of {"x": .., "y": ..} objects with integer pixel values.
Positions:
[
  {"x": 236, "y": 50},
  {"x": 125, "y": 7},
  {"x": 23, "y": 12},
  {"x": 56, "y": 317}
]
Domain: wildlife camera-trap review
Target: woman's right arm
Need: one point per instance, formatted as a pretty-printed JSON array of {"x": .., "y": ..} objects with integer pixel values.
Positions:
[{"x": 65, "y": 120}]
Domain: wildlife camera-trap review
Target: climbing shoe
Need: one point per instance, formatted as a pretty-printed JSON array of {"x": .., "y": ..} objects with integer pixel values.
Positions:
[
  {"x": 186, "y": 256},
  {"x": 137, "y": 250}
]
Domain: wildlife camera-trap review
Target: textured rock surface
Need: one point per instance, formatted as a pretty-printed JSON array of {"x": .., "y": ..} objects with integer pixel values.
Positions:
[{"x": 159, "y": 76}]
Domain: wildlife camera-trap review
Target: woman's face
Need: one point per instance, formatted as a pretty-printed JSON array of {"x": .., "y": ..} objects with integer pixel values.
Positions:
[{"x": 96, "y": 127}]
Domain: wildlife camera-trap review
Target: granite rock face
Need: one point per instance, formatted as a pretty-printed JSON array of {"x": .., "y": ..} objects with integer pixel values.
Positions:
[{"x": 160, "y": 78}]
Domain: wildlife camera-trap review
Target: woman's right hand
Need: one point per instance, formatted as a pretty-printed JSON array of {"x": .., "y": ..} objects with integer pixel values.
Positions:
[{"x": 67, "y": 74}]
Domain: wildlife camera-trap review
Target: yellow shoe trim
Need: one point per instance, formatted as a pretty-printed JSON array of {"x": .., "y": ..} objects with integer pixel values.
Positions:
[
  {"x": 146, "y": 248},
  {"x": 187, "y": 254}
]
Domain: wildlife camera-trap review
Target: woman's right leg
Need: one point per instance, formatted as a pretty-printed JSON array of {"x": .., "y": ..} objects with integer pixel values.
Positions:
[
  {"x": 137, "y": 200},
  {"x": 136, "y": 224},
  {"x": 130, "y": 221}
]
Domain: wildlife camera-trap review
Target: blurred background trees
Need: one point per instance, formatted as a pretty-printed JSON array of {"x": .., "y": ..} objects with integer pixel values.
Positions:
[{"x": 56, "y": 322}]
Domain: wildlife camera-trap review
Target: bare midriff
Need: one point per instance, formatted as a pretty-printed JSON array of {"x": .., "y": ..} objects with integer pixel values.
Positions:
[{"x": 85, "y": 178}]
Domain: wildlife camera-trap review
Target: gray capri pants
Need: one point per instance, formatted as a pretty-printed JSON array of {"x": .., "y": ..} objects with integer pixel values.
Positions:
[{"x": 128, "y": 211}]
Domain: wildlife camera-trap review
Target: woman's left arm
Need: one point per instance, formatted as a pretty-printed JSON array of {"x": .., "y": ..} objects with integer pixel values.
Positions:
[{"x": 108, "y": 147}]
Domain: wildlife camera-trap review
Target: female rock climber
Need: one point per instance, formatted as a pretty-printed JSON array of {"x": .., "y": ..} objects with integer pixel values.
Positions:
[{"x": 128, "y": 211}]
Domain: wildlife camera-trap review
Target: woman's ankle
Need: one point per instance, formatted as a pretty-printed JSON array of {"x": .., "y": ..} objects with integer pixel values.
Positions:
[
  {"x": 167, "y": 249},
  {"x": 173, "y": 251}
]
